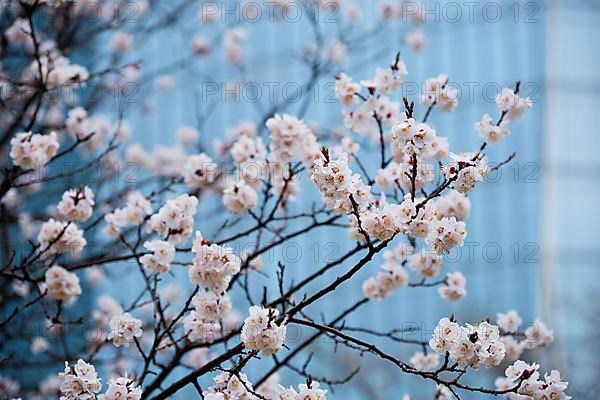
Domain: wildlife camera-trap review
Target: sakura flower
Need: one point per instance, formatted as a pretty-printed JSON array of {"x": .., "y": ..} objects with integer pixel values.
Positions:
[
  {"x": 30, "y": 150},
  {"x": 164, "y": 82},
  {"x": 392, "y": 277},
  {"x": 163, "y": 253},
  {"x": 233, "y": 40},
  {"x": 239, "y": 197},
  {"x": 230, "y": 386},
  {"x": 454, "y": 204},
  {"x": 387, "y": 80},
  {"x": 454, "y": 287},
  {"x": 124, "y": 329},
  {"x": 489, "y": 131},
  {"x": 199, "y": 170},
  {"x": 345, "y": 90},
  {"x": 135, "y": 211},
  {"x": 311, "y": 391},
  {"x": 336, "y": 52},
  {"x": 76, "y": 204},
  {"x": 261, "y": 332},
  {"x": 425, "y": 362},
  {"x": 426, "y": 263},
  {"x": 211, "y": 306},
  {"x": 511, "y": 104},
  {"x": 198, "y": 357},
  {"x": 510, "y": 321},
  {"x": 466, "y": 170},
  {"x": 120, "y": 388},
  {"x": 57, "y": 237},
  {"x": 200, "y": 45},
  {"x": 197, "y": 329},
  {"x": 244, "y": 128},
  {"x": 438, "y": 93},
  {"x": 39, "y": 345},
  {"x": 213, "y": 265},
  {"x": 538, "y": 335},
  {"x": 79, "y": 382},
  {"x": 292, "y": 138},
  {"x": 445, "y": 234},
  {"x": 174, "y": 220}
]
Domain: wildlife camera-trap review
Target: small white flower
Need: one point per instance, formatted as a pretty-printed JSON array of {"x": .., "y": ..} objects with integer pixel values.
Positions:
[
  {"x": 61, "y": 284},
  {"x": 163, "y": 253},
  {"x": 239, "y": 197},
  {"x": 121, "y": 388},
  {"x": 454, "y": 287},
  {"x": 199, "y": 170},
  {"x": 76, "y": 204},
  {"x": 445, "y": 234},
  {"x": 261, "y": 332},
  {"x": 57, "y": 237},
  {"x": 174, "y": 221},
  {"x": 489, "y": 131},
  {"x": 510, "y": 321},
  {"x": 425, "y": 362},
  {"x": 33, "y": 150},
  {"x": 80, "y": 381},
  {"x": 124, "y": 329}
]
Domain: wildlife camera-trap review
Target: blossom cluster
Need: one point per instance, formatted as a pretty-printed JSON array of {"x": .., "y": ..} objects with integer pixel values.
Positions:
[
  {"x": 57, "y": 237},
  {"x": 529, "y": 384},
  {"x": 465, "y": 170},
  {"x": 377, "y": 111},
  {"x": 410, "y": 138},
  {"x": 56, "y": 69},
  {"x": 469, "y": 345},
  {"x": 426, "y": 263},
  {"x": 163, "y": 253},
  {"x": 392, "y": 276},
  {"x": 174, "y": 221},
  {"x": 261, "y": 332},
  {"x": 92, "y": 131},
  {"x": 203, "y": 323},
  {"x": 238, "y": 386},
  {"x": 107, "y": 308},
  {"x": 239, "y": 197},
  {"x": 134, "y": 212},
  {"x": 199, "y": 170},
  {"x": 61, "y": 284},
  {"x": 79, "y": 382},
  {"x": 213, "y": 265},
  {"x": 76, "y": 204},
  {"x": 454, "y": 286},
  {"x": 230, "y": 386},
  {"x": 212, "y": 270},
  {"x": 29, "y": 150},
  {"x": 439, "y": 94},
  {"x": 291, "y": 139},
  {"x": 337, "y": 183},
  {"x": 425, "y": 361},
  {"x": 272, "y": 389},
  {"x": 537, "y": 335},
  {"x": 120, "y": 388},
  {"x": 124, "y": 329},
  {"x": 512, "y": 107}
]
